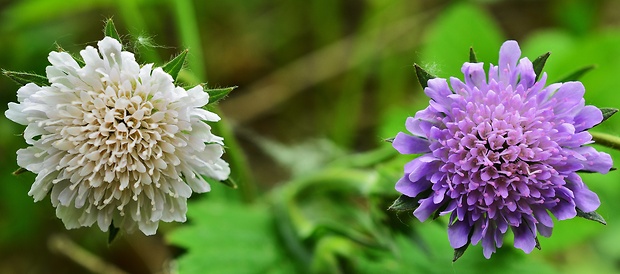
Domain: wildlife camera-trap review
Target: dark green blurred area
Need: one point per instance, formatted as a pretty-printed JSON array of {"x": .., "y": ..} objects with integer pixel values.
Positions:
[{"x": 341, "y": 70}]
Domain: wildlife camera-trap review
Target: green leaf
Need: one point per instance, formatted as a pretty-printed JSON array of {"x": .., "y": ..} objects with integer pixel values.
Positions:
[
  {"x": 368, "y": 159},
  {"x": 592, "y": 216},
  {"x": 423, "y": 75},
  {"x": 405, "y": 203},
  {"x": 174, "y": 66},
  {"x": 472, "y": 55},
  {"x": 110, "y": 30},
  {"x": 217, "y": 94},
  {"x": 225, "y": 237},
  {"x": 23, "y": 78},
  {"x": 328, "y": 251},
  {"x": 539, "y": 64},
  {"x": 317, "y": 154},
  {"x": 575, "y": 76}
]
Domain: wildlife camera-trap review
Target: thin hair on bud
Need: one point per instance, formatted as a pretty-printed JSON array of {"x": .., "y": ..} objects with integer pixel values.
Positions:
[
  {"x": 432, "y": 68},
  {"x": 147, "y": 41}
]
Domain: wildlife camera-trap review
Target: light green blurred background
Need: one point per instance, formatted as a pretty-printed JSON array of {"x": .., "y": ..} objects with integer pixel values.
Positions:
[{"x": 341, "y": 70}]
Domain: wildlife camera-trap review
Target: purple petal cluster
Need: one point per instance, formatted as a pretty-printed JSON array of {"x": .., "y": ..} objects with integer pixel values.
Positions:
[{"x": 501, "y": 153}]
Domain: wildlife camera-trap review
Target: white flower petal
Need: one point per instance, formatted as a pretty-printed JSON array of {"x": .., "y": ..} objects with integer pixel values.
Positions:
[
  {"x": 42, "y": 185},
  {"x": 114, "y": 140}
]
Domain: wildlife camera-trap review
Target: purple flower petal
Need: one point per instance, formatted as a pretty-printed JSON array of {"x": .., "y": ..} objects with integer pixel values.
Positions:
[
  {"x": 588, "y": 117},
  {"x": 411, "y": 189},
  {"x": 568, "y": 97},
  {"x": 418, "y": 127},
  {"x": 543, "y": 230},
  {"x": 595, "y": 161},
  {"x": 524, "y": 238},
  {"x": 542, "y": 216},
  {"x": 459, "y": 87},
  {"x": 458, "y": 234},
  {"x": 488, "y": 243},
  {"x": 564, "y": 211},
  {"x": 407, "y": 144},
  {"x": 477, "y": 233},
  {"x": 502, "y": 153},
  {"x": 547, "y": 92},
  {"x": 528, "y": 76},
  {"x": 586, "y": 200},
  {"x": 419, "y": 169},
  {"x": 509, "y": 55},
  {"x": 474, "y": 75},
  {"x": 438, "y": 90},
  {"x": 426, "y": 209}
]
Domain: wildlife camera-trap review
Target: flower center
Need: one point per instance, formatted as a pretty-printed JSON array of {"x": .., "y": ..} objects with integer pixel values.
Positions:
[
  {"x": 122, "y": 134},
  {"x": 495, "y": 157}
]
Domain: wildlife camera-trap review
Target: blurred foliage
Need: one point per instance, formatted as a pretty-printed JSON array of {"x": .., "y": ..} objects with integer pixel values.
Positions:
[{"x": 321, "y": 84}]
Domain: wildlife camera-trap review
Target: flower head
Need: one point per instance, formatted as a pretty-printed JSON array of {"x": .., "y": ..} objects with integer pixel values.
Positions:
[
  {"x": 501, "y": 152},
  {"x": 116, "y": 141}
]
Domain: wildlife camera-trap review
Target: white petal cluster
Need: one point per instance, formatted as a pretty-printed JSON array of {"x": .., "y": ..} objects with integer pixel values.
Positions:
[{"x": 114, "y": 141}]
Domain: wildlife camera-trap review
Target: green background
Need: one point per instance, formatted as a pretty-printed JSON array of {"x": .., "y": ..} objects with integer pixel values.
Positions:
[{"x": 321, "y": 84}]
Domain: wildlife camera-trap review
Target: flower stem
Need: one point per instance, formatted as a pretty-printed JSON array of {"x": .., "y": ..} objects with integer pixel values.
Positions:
[
  {"x": 65, "y": 246},
  {"x": 607, "y": 140},
  {"x": 190, "y": 37}
]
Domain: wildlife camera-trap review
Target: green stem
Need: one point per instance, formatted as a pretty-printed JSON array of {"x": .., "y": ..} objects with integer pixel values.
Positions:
[
  {"x": 130, "y": 11},
  {"x": 607, "y": 140},
  {"x": 190, "y": 37}
]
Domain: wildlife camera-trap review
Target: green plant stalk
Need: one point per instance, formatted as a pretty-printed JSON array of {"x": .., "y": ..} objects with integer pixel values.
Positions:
[
  {"x": 606, "y": 140},
  {"x": 190, "y": 37},
  {"x": 132, "y": 16},
  {"x": 327, "y": 22},
  {"x": 290, "y": 216}
]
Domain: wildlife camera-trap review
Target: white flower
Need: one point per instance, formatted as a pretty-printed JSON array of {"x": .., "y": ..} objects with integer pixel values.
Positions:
[{"x": 116, "y": 141}]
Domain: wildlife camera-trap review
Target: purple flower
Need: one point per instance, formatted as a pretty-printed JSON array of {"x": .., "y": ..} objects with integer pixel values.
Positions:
[{"x": 501, "y": 153}]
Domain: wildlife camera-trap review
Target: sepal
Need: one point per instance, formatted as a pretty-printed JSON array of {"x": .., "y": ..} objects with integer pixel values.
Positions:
[
  {"x": 110, "y": 30},
  {"x": 458, "y": 252},
  {"x": 19, "y": 171},
  {"x": 539, "y": 64},
  {"x": 229, "y": 182},
  {"x": 23, "y": 78},
  {"x": 423, "y": 75},
  {"x": 592, "y": 216},
  {"x": 575, "y": 76},
  {"x": 174, "y": 66},
  {"x": 607, "y": 113},
  {"x": 217, "y": 94},
  {"x": 472, "y": 55},
  {"x": 537, "y": 246},
  {"x": 405, "y": 203},
  {"x": 112, "y": 232}
]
